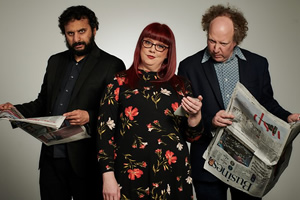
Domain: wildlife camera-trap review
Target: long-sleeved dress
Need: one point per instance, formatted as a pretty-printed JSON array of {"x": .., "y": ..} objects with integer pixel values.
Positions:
[{"x": 143, "y": 142}]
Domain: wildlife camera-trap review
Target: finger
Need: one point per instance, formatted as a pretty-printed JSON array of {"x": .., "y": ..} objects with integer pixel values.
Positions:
[{"x": 192, "y": 107}]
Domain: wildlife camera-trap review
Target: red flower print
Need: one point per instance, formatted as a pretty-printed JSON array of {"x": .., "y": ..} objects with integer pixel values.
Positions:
[
  {"x": 155, "y": 184},
  {"x": 174, "y": 106},
  {"x": 134, "y": 173},
  {"x": 180, "y": 189},
  {"x": 149, "y": 126},
  {"x": 116, "y": 92},
  {"x": 155, "y": 122},
  {"x": 143, "y": 145},
  {"x": 130, "y": 113},
  {"x": 180, "y": 93},
  {"x": 144, "y": 164},
  {"x": 171, "y": 159},
  {"x": 136, "y": 91},
  {"x": 121, "y": 80},
  {"x": 110, "y": 85},
  {"x": 157, "y": 151},
  {"x": 167, "y": 111}
]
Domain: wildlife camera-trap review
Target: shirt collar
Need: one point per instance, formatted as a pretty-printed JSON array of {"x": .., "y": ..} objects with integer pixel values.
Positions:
[{"x": 236, "y": 52}]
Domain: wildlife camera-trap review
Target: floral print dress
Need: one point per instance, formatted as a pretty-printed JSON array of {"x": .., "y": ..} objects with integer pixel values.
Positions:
[{"x": 143, "y": 142}]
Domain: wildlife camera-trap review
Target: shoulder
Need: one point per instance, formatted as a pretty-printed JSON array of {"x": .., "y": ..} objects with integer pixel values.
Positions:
[
  {"x": 104, "y": 56},
  {"x": 59, "y": 55},
  {"x": 182, "y": 80},
  {"x": 191, "y": 61},
  {"x": 250, "y": 56},
  {"x": 194, "y": 58},
  {"x": 57, "y": 60}
]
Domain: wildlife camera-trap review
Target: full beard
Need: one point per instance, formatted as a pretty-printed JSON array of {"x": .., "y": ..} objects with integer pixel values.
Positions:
[{"x": 87, "y": 47}]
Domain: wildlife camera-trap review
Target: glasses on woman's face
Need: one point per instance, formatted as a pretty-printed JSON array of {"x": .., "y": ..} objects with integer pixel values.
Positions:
[{"x": 158, "y": 47}]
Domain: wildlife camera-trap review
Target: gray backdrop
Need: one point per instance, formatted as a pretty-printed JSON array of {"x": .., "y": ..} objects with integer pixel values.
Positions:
[{"x": 29, "y": 35}]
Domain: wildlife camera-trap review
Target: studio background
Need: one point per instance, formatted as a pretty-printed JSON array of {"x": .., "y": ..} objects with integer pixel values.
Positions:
[{"x": 30, "y": 34}]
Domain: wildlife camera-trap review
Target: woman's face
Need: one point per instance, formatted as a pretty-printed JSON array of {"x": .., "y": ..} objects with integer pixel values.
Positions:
[{"x": 153, "y": 53}]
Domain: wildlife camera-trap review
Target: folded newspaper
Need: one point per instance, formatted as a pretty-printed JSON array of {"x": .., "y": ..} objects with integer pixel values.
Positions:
[
  {"x": 252, "y": 153},
  {"x": 49, "y": 130}
]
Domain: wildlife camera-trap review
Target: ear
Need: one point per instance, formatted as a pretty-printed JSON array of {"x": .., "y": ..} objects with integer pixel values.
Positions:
[{"x": 94, "y": 31}]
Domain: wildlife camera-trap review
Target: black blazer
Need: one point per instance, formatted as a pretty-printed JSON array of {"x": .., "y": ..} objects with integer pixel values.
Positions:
[
  {"x": 254, "y": 75},
  {"x": 97, "y": 72}
]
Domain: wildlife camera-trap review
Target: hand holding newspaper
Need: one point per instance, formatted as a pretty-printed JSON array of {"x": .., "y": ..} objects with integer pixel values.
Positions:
[
  {"x": 252, "y": 153},
  {"x": 49, "y": 130}
]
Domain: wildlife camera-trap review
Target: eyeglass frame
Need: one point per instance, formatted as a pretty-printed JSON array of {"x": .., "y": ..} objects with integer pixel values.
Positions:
[{"x": 155, "y": 46}]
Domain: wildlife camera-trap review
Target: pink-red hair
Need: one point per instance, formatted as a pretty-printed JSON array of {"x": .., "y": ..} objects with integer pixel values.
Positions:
[{"x": 164, "y": 34}]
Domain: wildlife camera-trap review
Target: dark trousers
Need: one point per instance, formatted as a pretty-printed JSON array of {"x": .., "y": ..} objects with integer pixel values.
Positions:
[
  {"x": 218, "y": 191},
  {"x": 59, "y": 182}
]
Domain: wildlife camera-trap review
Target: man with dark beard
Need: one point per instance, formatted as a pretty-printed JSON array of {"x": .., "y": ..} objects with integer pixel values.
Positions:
[{"x": 73, "y": 85}]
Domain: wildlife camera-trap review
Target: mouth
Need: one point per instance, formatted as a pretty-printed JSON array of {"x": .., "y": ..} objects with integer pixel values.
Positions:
[
  {"x": 150, "y": 57},
  {"x": 78, "y": 45},
  {"x": 217, "y": 56}
]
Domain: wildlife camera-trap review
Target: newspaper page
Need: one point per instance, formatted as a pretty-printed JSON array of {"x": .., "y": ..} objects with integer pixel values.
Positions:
[
  {"x": 252, "y": 153},
  {"x": 49, "y": 130}
]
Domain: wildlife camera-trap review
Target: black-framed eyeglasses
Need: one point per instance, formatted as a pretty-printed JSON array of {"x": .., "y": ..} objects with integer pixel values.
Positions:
[{"x": 158, "y": 47}]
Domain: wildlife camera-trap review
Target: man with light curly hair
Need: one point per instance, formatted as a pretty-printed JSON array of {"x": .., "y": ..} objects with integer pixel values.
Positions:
[{"x": 214, "y": 72}]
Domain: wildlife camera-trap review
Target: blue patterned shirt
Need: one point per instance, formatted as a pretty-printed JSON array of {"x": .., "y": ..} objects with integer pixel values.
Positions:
[{"x": 227, "y": 73}]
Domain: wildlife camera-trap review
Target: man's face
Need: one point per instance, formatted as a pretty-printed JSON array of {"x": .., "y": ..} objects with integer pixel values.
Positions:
[
  {"x": 220, "y": 39},
  {"x": 79, "y": 36}
]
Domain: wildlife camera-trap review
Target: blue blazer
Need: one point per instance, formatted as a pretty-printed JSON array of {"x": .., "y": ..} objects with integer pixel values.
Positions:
[{"x": 254, "y": 75}]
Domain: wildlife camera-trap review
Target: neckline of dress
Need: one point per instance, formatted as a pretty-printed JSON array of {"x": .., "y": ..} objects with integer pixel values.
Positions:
[{"x": 148, "y": 75}]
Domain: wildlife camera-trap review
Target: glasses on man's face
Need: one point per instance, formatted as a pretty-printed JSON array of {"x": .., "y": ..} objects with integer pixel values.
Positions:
[{"x": 158, "y": 47}]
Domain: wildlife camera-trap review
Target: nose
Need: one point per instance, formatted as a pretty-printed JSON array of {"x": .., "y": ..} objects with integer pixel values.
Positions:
[
  {"x": 217, "y": 46},
  {"x": 77, "y": 37},
  {"x": 152, "y": 49}
]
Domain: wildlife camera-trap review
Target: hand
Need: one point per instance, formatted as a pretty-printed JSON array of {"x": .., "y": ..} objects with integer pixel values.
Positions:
[
  {"x": 222, "y": 119},
  {"x": 6, "y": 106},
  {"x": 111, "y": 189},
  {"x": 77, "y": 117},
  {"x": 293, "y": 117},
  {"x": 193, "y": 107}
]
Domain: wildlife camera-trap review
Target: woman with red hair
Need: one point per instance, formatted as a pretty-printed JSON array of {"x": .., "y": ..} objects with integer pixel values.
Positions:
[{"x": 142, "y": 150}]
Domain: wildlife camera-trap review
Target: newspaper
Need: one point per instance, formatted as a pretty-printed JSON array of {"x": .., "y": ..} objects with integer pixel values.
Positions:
[
  {"x": 49, "y": 130},
  {"x": 252, "y": 153}
]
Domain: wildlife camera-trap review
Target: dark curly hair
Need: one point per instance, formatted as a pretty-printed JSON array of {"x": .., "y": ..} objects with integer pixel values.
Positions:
[
  {"x": 239, "y": 22},
  {"x": 77, "y": 12}
]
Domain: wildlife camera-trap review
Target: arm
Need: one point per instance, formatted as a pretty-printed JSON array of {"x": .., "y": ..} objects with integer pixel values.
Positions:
[
  {"x": 193, "y": 123},
  {"x": 107, "y": 120},
  {"x": 193, "y": 108},
  {"x": 111, "y": 189},
  {"x": 106, "y": 70}
]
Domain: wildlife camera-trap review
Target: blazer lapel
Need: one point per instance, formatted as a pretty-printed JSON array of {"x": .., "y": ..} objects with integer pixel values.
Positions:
[
  {"x": 211, "y": 75},
  {"x": 243, "y": 71},
  {"x": 86, "y": 70},
  {"x": 59, "y": 77}
]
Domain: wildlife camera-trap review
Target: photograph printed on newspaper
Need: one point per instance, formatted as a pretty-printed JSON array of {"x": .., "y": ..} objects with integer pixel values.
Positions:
[
  {"x": 50, "y": 130},
  {"x": 252, "y": 153}
]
